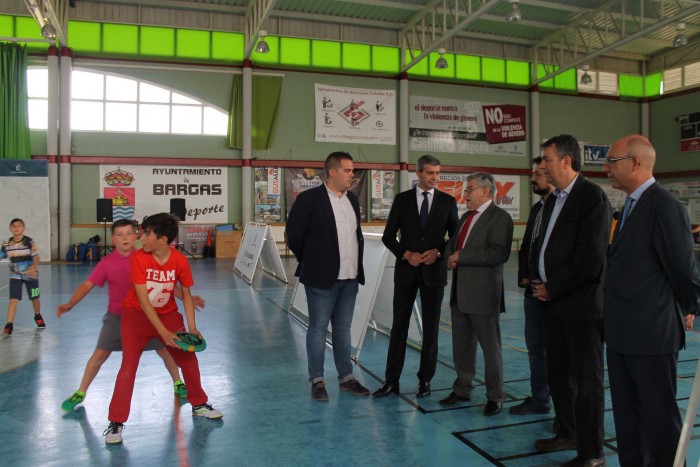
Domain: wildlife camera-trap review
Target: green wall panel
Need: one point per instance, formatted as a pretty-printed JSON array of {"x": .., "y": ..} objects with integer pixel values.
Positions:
[
  {"x": 653, "y": 84},
  {"x": 567, "y": 81},
  {"x": 356, "y": 57},
  {"x": 227, "y": 46},
  {"x": 517, "y": 72},
  {"x": 193, "y": 43},
  {"x": 493, "y": 70},
  {"x": 295, "y": 51},
  {"x": 420, "y": 68},
  {"x": 386, "y": 59},
  {"x": 157, "y": 41},
  {"x": 542, "y": 71},
  {"x": 84, "y": 36},
  {"x": 120, "y": 38},
  {"x": 468, "y": 67},
  {"x": 631, "y": 85},
  {"x": 326, "y": 54},
  {"x": 7, "y": 26},
  {"x": 26, "y": 28}
]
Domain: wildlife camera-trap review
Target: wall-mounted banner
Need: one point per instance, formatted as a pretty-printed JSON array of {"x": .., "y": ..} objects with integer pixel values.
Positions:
[
  {"x": 354, "y": 115},
  {"x": 24, "y": 191},
  {"x": 382, "y": 190},
  {"x": 140, "y": 190},
  {"x": 690, "y": 132},
  {"x": 452, "y": 125},
  {"x": 594, "y": 154},
  {"x": 298, "y": 180},
  {"x": 507, "y": 191},
  {"x": 268, "y": 194}
]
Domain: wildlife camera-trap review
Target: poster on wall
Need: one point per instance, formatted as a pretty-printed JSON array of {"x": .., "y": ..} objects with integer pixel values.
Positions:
[
  {"x": 297, "y": 180},
  {"x": 594, "y": 154},
  {"x": 383, "y": 190},
  {"x": 139, "y": 190},
  {"x": 268, "y": 194},
  {"x": 615, "y": 197},
  {"x": 690, "y": 132},
  {"x": 355, "y": 115},
  {"x": 458, "y": 126},
  {"x": 24, "y": 190},
  {"x": 507, "y": 191}
]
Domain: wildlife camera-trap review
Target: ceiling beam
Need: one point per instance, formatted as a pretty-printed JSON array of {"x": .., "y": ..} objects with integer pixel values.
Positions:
[
  {"x": 430, "y": 28},
  {"x": 256, "y": 14}
]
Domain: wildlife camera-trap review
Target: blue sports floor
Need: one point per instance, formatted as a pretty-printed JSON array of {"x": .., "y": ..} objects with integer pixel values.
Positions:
[{"x": 254, "y": 371}]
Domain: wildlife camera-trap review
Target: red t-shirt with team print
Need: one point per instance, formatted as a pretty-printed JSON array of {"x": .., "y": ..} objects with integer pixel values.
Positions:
[{"x": 160, "y": 280}]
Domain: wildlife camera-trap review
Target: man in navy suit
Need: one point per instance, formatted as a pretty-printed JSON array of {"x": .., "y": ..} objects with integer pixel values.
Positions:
[
  {"x": 651, "y": 282},
  {"x": 423, "y": 217},
  {"x": 571, "y": 260},
  {"x": 538, "y": 403},
  {"x": 324, "y": 233}
]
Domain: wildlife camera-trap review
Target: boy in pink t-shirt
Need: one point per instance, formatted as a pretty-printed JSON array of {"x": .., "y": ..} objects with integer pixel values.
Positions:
[
  {"x": 114, "y": 269},
  {"x": 150, "y": 311}
]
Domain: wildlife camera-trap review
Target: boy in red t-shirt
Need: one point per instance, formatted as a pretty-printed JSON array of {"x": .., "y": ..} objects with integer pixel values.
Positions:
[{"x": 150, "y": 311}]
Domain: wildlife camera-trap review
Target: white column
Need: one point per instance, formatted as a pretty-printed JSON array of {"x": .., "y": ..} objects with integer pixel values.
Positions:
[
  {"x": 404, "y": 102},
  {"x": 247, "y": 124},
  {"x": 535, "y": 138},
  {"x": 64, "y": 151},
  {"x": 52, "y": 150}
]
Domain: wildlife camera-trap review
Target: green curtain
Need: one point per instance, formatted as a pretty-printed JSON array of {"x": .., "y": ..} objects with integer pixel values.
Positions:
[
  {"x": 14, "y": 125},
  {"x": 266, "y": 98}
]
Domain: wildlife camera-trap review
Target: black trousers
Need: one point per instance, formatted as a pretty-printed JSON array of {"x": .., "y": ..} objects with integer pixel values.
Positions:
[
  {"x": 647, "y": 418},
  {"x": 431, "y": 302},
  {"x": 575, "y": 373}
]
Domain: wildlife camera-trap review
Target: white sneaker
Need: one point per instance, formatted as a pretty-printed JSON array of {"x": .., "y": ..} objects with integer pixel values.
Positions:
[
  {"x": 206, "y": 410},
  {"x": 113, "y": 433}
]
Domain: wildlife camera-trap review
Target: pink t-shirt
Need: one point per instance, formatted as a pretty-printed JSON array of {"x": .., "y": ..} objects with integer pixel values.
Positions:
[{"x": 114, "y": 269}]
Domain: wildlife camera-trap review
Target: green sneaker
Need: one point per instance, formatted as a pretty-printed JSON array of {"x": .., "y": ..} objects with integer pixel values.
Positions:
[
  {"x": 180, "y": 388},
  {"x": 70, "y": 403}
]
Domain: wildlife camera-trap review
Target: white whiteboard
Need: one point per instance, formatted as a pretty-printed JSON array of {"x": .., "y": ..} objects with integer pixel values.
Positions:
[
  {"x": 373, "y": 261},
  {"x": 258, "y": 243},
  {"x": 270, "y": 257}
]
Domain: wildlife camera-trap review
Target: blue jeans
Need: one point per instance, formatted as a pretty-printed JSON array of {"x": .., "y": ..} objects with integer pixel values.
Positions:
[
  {"x": 534, "y": 340},
  {"x": 335, "y": 305}
]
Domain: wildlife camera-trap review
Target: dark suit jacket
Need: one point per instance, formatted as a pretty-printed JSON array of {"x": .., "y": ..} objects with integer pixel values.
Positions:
[
  {"x": 313, "y": 238},
  {"x": 477, "y": 283},
  {"x": 524, "y": 253},
  {"x": 575, "y": 256},
  {"x": 651, "y": 278},
  {"x": 404, "y": 217}
]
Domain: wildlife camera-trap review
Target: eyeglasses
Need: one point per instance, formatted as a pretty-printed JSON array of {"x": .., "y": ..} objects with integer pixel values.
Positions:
[
  {"x": 611, "y": 160},
  {"x": 469, "y": 189}
]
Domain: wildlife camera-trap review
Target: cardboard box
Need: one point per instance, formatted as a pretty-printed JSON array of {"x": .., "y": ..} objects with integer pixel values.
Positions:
[{"x": 227, "y": 243}]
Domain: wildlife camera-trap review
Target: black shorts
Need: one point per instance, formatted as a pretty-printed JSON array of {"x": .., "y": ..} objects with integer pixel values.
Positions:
[{"x": 32, "y": 286}]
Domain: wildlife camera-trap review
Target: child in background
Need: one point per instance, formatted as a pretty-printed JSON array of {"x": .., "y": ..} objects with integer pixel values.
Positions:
[
  {"x": 24, "y": 262},
  {"x": 114, "y": 269},
  {"x": 150, "y": 311}
]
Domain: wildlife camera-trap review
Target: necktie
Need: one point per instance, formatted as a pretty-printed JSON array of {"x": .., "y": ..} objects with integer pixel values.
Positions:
[
  {"x": 626, "y": 210},
  {"x": 532, "y": 256},
  {"x": 424, "y": 209},
  {"x": 536, "y": 227},
  {"x": 465, "y": 228}
]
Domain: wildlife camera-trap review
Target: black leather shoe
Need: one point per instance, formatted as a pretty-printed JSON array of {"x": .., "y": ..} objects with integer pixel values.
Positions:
[
  {"x": 453, "y": 398},
  {"x": 423, "y": 389},
  {"x": 579, "y": 462},
  {"x": 492, "y": 408},
  {"x": 555, "y": 444},
  {"x": 386, "y": 389},
  {"x": 529, "y": 406}
]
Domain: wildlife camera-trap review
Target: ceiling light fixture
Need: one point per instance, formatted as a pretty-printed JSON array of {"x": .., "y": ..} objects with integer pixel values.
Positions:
[
  {"x": 262, "y": 46},
  {"x": 585, "y": 77},
  {"x": 441, "y": 63},
  {"x": 514, "y": 13},
  {"x": 681, "y": 39},
  {"x": 48, "y": 31}
]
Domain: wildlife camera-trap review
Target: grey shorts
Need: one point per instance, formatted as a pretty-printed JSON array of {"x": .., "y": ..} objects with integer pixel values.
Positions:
[{"x": 110, "y": 338}]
